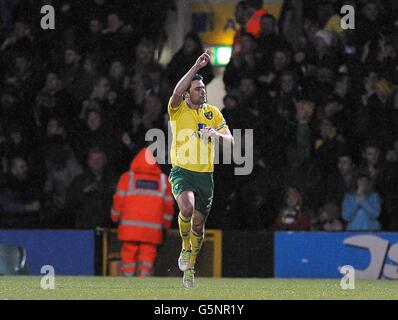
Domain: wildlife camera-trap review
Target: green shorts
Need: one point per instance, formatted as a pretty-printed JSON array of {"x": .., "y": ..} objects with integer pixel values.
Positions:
[{"x": 200, "y": 183}]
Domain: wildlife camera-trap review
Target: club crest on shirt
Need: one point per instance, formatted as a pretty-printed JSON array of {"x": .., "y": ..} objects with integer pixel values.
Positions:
[{"x": 209, "y": 115}]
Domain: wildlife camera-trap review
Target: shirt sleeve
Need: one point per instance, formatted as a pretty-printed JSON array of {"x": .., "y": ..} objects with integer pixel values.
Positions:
[
  {"x": 219, "y": 121},
  {"x": 173, "y": 111}
]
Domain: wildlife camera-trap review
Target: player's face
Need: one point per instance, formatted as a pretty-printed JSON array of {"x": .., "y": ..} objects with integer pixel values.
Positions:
[{"x": 197, "y": 93}]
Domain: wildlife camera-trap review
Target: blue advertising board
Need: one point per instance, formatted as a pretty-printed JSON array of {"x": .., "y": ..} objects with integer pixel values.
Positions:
[
  {"x": 69, "y": 252},
  {"x": 322, "y": 254}
]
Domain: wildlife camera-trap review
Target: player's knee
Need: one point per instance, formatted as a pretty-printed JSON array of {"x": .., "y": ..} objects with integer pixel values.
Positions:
[
  {"x": 187, "y": 209},
  {"x": 198, "y": 227}
]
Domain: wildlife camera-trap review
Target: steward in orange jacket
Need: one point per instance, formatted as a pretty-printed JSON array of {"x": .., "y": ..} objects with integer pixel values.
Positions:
[{"x": 143, "y": 206}]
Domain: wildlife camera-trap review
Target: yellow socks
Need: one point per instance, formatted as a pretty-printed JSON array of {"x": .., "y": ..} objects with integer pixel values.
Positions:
[
  {"x": 190, "y": 239},
  {"x": 196, "y": 244},
  {"x": 185, "y": 231}
]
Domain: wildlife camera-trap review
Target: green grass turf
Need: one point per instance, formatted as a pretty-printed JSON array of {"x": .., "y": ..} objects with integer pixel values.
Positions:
[{"x": 106, "y": 288}]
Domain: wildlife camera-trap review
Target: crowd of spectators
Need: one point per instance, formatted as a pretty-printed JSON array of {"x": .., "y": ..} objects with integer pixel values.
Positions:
[
  {"x": 76, "y": 102},
  {"x": 323, "y": 103}
]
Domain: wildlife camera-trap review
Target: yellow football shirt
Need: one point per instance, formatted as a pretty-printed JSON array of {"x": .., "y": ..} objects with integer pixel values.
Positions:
[{"x": 188, "y": 151}]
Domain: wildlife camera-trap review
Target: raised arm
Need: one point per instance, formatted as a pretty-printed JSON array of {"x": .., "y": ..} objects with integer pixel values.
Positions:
[{"x": 186, "y": 80}]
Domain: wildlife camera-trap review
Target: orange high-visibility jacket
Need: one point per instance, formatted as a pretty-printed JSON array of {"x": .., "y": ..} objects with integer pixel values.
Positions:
[
  {"x": 143, "y": 204},
  {"x": 253, "y": 26}
]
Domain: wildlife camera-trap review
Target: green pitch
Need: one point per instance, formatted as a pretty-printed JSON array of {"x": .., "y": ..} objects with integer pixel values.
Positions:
[{"x": 105, "y": 288}]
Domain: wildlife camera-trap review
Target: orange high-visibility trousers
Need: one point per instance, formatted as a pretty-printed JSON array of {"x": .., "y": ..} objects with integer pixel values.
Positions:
[{"x": 138, "y": 259}]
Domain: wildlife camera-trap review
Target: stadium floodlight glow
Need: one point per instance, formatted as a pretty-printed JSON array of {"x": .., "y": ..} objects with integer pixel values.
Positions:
[{"x": 222, "y": 55}]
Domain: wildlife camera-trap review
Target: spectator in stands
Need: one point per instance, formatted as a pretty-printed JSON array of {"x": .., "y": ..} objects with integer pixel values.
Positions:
[
  {"x": 325, "y": 55},
  {"x": 91, "y": 41},
  {"x": 20, "y": 198},
  {"x": 61, "y": 170},
  {"x": 95, "y": 133},
  {"x": 304, "y": 174},
  {"x": 286, "y": 96},
  {"x": 242, "y": 15},
  {"x": 392, "y": 115},
  {"x": 133, "y": 140},
  {"x": 304, "y": 124},
  {"x": 156, "y": 82},
  {"x": 18, "y": 143},
  {"x": 340, "y": 181},
  {"x": 11, "y": 106},
  {"x": 20, "y": 38},
  {"x": 100, "y": 89},
  {"x": 257, "y": 11},
  {"x": 89, "y": 197},
  {"x": 119, "y": 80},
  {"x": 53, "y": 100},
  {"x": 246, "y": 62},
  {"x": 185, "y": 58},
  {"x": 328, "y": 145},
  {"x": 145, "y": 55},
  {"x": 281, "y": 63},
  {"x": 370, "y": 24},
  {"x": 330, "y": 19},
  {"x": 373, "y": 109},
  {"x": 118, "y": 39},
  {"x": 231, "y": 109},
  {"x": 297, "y": 21},
  {"x": 152, "y": 112},
  {"x": 55, "y": 135},
  {"x": 257, "y": 195},
  {"x": 22, "y": 75},
  {"x": 362, "y": 207},
  {"x": 270, "y": 40},
  {"x": 389, "y": 193},
  {"x": 75, "y": 79},
  {"x": 373, "y": 163},
  {"x": 294, "y": 216},
  {"x": 329, "y": 219}
]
